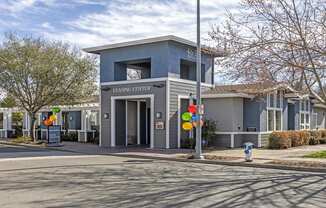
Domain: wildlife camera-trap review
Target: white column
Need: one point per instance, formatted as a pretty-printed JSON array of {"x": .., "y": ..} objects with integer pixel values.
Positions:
[
  {"x": 5, "y": 123},
  {"x": 138, "y": 122},
  {"x": 82, "y": 119},
  {"x": 259, "y": 140},
  {"x": 26, "y": 123},
  {"x": 126, "y": 123},
  {"x": 232, "y": 140},
  {"x": 59, "y": 118},
  {"x": 9, "y": 120}
]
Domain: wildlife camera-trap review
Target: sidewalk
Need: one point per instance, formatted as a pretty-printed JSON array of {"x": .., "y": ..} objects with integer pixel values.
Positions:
[
  {"x": 291, "y": 154},
  {"x": 290, "y": 159}
]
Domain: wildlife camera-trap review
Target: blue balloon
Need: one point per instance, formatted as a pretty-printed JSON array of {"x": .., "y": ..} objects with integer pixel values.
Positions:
[{"x": 194, "y": 118}]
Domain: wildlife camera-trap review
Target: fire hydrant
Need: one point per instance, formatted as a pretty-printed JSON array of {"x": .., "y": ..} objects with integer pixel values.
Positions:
[{"x": 248, "y": 147}]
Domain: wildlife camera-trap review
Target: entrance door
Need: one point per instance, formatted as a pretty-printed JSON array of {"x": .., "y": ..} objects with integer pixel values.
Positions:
[
  {"x": 142, "y": 124},
  {"x": 291, "y": 117},
  {"x": 132, "y": 122},
  {"x": 120, "y": 122},
  {"x": 148, "y": 125}
]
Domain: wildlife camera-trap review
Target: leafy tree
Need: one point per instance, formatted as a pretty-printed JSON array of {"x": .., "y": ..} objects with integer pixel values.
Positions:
[
  {"x": 8, "y": 102},
  {"x": 39, "y": 73},
  {"x": 276, "y": 40}
]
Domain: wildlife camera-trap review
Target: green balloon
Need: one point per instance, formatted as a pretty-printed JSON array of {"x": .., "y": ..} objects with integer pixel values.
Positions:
[
  {"x": 56, "y": 110},
  {"x": 186, "y": 116}
]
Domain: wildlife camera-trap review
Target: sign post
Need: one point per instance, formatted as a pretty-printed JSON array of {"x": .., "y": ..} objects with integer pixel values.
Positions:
[{"x": 198, "y": 154}]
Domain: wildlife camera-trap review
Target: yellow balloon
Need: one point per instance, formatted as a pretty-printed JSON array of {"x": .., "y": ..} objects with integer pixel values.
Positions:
[
  {"x": 53, "y": 118},
  {"x": 187, "y": 126}
]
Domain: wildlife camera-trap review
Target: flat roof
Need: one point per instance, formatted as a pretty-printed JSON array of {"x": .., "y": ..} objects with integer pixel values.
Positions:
[{"x": 98, "y": 49}]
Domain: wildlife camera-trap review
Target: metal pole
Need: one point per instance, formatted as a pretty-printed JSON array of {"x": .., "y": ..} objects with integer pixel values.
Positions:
[{"x": 198, "y": 91}]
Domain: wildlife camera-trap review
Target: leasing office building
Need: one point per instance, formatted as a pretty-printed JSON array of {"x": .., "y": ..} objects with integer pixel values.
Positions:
[
  {"x": 143, "y": 84},
  {"x": 147, "y": 84}
]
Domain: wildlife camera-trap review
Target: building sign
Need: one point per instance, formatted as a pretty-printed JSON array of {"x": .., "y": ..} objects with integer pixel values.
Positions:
[
  {"x": 159, "y": 125},
  {"x": 191, "y": 53},
  {"x": 131, "y": 90},
  {"x": 54, "y": 134}
]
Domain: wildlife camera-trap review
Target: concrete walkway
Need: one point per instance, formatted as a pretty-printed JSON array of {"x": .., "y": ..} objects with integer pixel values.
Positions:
[
  {"x": 295, "y": 153},
  {"x": 280, "y": 159}
]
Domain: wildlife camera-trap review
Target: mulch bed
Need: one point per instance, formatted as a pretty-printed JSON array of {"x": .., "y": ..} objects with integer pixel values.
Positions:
[{"x": 297, "y": 163}]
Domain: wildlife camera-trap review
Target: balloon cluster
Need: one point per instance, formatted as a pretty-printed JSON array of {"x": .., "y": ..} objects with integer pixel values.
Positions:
[
  {"x": 190, "y": 118},
  {"x": 50, "y": 120}
]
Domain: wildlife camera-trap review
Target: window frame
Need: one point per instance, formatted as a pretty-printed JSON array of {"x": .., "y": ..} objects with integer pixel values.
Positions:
[
  {"x": 274, "y": 108},
  {"x": 305, "y": 125}
]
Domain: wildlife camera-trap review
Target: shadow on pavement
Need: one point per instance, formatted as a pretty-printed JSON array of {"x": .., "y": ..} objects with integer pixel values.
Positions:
[{"x": 166, "y": 184}]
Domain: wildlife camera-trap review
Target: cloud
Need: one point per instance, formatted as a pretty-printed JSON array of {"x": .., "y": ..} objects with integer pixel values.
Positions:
[
  {"x": 15, "y": 6},
  {"x": 125, "y": 20},
  {"x": 94, "y": 22}
]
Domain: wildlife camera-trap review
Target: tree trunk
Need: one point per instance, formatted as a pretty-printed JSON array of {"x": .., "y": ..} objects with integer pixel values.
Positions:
[{"x": 32, "y": 127}]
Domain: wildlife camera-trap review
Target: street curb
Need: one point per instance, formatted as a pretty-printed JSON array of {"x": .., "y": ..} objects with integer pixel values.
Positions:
[
  {"x": 215, "y": 162},
  {"x": 39, "y": 147},
  {"x": 211, "y": 162}
]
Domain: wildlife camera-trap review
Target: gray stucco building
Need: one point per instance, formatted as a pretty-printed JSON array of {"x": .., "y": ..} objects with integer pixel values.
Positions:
[
  {"x": 143, "y": 84},
  {"x": 147, "y": 84}
]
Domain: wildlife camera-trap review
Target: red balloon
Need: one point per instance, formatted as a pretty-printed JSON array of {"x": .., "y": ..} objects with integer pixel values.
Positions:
[{"x": 192, "y": 109}]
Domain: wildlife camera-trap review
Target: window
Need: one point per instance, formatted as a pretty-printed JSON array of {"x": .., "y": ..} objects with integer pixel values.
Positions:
[
  {"x": 1, "y": 121},
  {"x": 270, "y": 120},
  {"x": 275, "y": 111},
  {"x": 139, "y": 71},
  {"x": 188, "y": 70},
  {"x": 304, "y": 114},
  {"x": 132, "y": 70},
  {"x": 94, "y": 118}
]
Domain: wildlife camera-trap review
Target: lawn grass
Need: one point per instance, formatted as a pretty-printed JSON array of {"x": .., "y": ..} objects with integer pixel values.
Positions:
[{"x": 319, "y": 154}]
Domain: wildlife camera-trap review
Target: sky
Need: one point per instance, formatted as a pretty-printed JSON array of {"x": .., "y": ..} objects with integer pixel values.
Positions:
[{"x": 88, "y": 23}]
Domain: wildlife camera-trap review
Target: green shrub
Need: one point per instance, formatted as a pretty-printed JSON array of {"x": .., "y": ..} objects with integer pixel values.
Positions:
[
  {"x": 208, "y": 132},
  {"x": 323, "y": 133},
  {"x": 279, "y": 140},
  {"x": 188, "y": 143},
  {"x": 314, "y": 138},
  {"x": 296, "y": 138},
  {"x": 304, "y": 137},
  {"x": 70, "y": 137},
  {"x": 322, "y": 141},
  {"x": 287, "y": 139}
]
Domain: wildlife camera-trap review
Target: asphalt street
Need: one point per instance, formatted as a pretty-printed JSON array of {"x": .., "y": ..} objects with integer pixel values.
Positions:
[{"x": 53, "y": 179}]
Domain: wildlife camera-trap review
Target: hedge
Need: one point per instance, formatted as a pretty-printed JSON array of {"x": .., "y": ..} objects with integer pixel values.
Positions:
[{"x": 288, "y": 139}]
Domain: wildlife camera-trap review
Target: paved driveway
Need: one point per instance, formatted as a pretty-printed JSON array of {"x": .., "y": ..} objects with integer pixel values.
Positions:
[
  {"x": 106, "y": 181},
  {"x": 10, "y": 151}
]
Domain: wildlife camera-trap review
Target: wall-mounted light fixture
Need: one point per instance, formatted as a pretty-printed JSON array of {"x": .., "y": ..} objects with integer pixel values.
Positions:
[
  {"x": 158, "y": 115},
  {"x": 105, "y": 88},
  {"x": 158, "y": 85},
  {"x": 106, "y": 115}
]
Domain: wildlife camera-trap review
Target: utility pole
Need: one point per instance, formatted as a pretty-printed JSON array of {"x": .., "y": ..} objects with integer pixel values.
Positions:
[{"x": 198, "y": 91}]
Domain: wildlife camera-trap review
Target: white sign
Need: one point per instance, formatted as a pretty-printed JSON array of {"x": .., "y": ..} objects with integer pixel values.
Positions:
[
  {"x": 159, "y": 125},
  {"x": 132, "y": 89}
]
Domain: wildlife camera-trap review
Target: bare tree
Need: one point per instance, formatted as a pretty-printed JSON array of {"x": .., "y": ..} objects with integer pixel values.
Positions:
[
  {"x": 38, "y": 73},
  {"x": 276, "y": 40}
]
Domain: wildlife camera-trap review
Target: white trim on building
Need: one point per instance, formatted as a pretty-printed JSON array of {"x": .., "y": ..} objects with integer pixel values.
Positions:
[
  {"x": 163, "y": 79},
  {"x": 113, "y": 98},
  {"x": 276, "y": 107},
  {"x": 305, "y": 107}
]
